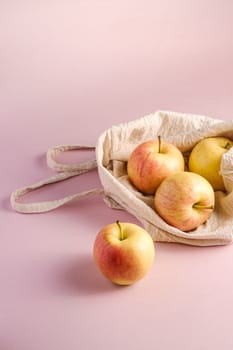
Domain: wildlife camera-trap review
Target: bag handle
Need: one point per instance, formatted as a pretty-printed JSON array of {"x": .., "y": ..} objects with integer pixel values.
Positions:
[{"x": 65, "y": 171}]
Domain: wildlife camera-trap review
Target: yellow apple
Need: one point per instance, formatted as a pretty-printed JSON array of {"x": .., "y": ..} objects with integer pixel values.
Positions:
[
  {"x": 184, "y": 200},
  {"x": 205, "y": 159},
  {"x": 151, "y": 162},
  {"x": 124, "y": 252}
]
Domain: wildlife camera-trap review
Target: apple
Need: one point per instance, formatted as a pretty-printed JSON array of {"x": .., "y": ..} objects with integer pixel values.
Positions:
[
  {"x": 184, "y": 200},
  {"x": 151, "y": 162},
  {"x": 205, "y": 159},
  {"x": 124, "y": 252}
]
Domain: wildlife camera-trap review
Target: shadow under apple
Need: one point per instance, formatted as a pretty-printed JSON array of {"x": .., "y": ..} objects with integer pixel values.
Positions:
[{"x": 81, "y": 276}]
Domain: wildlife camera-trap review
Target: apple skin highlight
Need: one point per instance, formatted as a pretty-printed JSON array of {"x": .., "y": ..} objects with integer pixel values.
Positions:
[
  {"x": 151, "y": 162},
  {"x": 185, "y": 200},
  {"x": 124, "y": 259}
]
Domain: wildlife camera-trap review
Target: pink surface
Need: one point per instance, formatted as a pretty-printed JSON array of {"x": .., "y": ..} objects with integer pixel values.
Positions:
[{"x": 69, "y": 70}]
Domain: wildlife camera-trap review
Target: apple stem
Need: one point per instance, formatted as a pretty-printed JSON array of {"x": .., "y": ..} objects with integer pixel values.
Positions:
[
  {"x": 159, "y": 140},
  {"x": 228, "y": 145},
  {"x": 120, "y": 229},
  {"x": 198, "y": 206}
]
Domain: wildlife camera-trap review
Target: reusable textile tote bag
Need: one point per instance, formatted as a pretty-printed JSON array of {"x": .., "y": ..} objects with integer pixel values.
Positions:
[{"x": 112, "y": 151}]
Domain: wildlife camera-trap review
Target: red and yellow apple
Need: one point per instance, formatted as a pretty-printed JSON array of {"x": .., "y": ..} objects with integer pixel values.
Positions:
[
  {"x": 151, "y": 162},
  {"x": 205, "y": 159},
  {"x": 185, "y": 200},
  {"x": 124, "y": 252}
]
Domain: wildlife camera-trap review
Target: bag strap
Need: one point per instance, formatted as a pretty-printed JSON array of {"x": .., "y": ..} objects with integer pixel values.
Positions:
[{"x": 65, "y": 171}]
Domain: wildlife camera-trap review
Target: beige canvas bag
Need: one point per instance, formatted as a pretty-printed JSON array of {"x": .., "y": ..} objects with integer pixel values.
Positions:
[{"x": 112, "y": 151}]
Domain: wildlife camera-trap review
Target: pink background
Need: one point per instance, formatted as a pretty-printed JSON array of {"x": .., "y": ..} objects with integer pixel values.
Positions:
[{"x": 68, "y": 71}]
